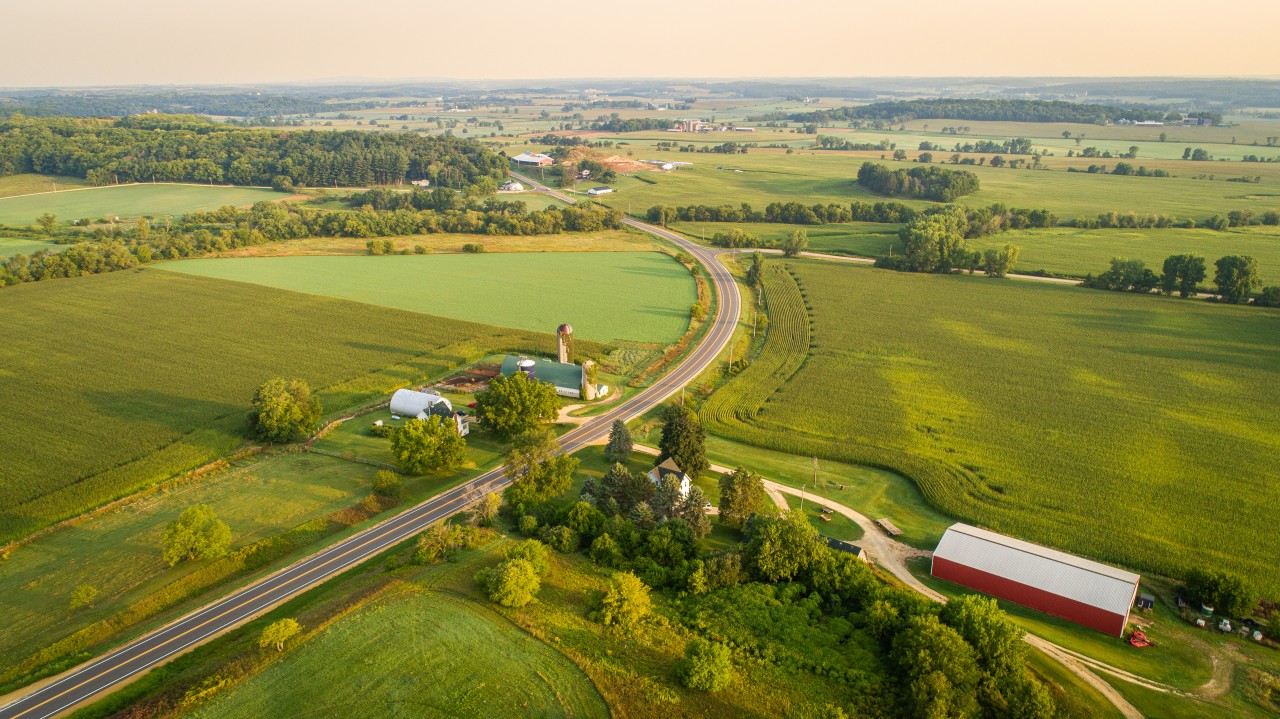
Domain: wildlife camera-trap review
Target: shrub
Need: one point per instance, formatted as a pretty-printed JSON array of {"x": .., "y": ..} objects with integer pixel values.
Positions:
[
  {"x": 473, "y": 248},
  {"x": 196, "y": 534},
  {"x": 527, "y": 525},
  {"x": 513, "y": 583},
  {"x": 706, "y": 665},
  {"x": 387, "y": 484},
  {"x": 83, "y": 596},
  {"x": 277, "y": 633},
  {"x": 562, "y": 539},
  {"x": 533, "y": 552},
  {"x": 625, "y": 601}
]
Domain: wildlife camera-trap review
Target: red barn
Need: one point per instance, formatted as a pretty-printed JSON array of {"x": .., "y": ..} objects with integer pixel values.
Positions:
[{"x": 1053, "y": 582}]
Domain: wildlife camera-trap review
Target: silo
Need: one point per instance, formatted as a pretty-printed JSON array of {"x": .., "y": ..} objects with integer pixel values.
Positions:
[
  {"x": 526, "y": 366},
  {"x": 564, "y": 343}
]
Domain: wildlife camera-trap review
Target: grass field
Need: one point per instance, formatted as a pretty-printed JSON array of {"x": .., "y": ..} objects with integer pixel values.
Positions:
[
  {"x": 114, "y": 381},
  {"x": 119, "y": 552},
  {"x": 127, "y": 201},
  {"x": 1058, "y": 250},
  {"x": 420, "y": 653},
  {"x": 13, "y": 246},
  {"x": 1121, "y": 427},
  {"x": 642, "y": 297},
  {"x": 604, "y": 241},
  {"x": 769, "y": 176},
  {"x": 28, "y": 184}
]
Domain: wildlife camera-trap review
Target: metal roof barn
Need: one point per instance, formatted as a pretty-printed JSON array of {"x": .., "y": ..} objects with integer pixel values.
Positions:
[
  {"x": 1078, "y": 590},
  {"x": 420, "y": 405}
]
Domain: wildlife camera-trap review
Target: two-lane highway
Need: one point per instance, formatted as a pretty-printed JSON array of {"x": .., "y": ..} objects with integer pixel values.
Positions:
[{"x": 112, "y": 670}]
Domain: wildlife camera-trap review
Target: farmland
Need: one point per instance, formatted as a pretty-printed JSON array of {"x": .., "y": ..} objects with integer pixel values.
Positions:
[
  {"x": 127, "y": 201},
  {"x": 28, "y": 184},
  {"x": 115, "y": 381},
  {"x": 648, "y": 295},
  {"x": 12, "y": 246},
  {"x": 1084, "y": 420},
  {"x": 419, "y": 652}
]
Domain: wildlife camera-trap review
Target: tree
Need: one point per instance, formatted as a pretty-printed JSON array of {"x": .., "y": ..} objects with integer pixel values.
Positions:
[
  {"x": 1227, "y": 593},
  {"x": 742, "y": 494},
  {"x": 284, "y": 411},
  {"x": 48, "y": 222},
  {"x": 605, "y": 551},
  {"x": 618, "y": 450},
  {"x": 996, "y": 640},
  {"x": 1236, "y": 278},
  {"x": 387, "y": 484},
  {"x": 487, "y": 509},
  {"x": 83, "y": 596},
  {"x": 515, "y": 403},
  {"x": 684, "y": 440},
  {"x": 1125, "y": 275},
  {"x": 783, "y": 549},
  {"x": 667, "y": 498},
  {"x": 796, "y": 242},
  {"x": 196, "y": 534},
  {"x": 1270, "y": 297},
  {"x": 693, "y": 510},
  {"x": 1182, "y": 274},
  {"x": 533, "y": 552},
  {"x": 998, "y": 262},
  {"x": 925, "y": 157},
  {"x": 935, "y": 242},
  {"x": 277, "y": 633},
  {"x": 537, "y": 469},
  {"x": 428, "y": 445},
  {"x": 937, "y": 667},
  {"x": 625, "y": 488},
  {"x": 755, "y": 272},
  {"x": 625, "y": 601},
  {"x": 997, "y": 161},
  {"x": 706, "y": 666},
  {"x": 513, "y": 583}
]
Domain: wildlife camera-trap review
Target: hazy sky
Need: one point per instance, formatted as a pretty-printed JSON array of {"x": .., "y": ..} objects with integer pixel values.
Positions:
[{"x": 90, "y": 42}]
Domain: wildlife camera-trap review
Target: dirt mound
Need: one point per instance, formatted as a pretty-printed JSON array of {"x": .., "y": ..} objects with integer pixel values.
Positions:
[{"x": 617, "y": 163}]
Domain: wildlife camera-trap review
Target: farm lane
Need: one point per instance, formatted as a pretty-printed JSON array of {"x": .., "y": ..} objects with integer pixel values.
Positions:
[
  {"x": 102, "y": 675},
  {"x": 892, "y": 555}
]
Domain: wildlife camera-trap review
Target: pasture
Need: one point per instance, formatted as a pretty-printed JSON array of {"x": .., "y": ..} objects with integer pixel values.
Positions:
[
  {"x": 126, "y": 201},
  {"x": 112, "y": 382},
  {"x": 27, "y": 184},
  {"x": 119, "y": 551},
  {"x": 603, "y": 241},
  {"x": 637, "y": 296},
  {"x": 1120, "y": 427},
  {"x": 10, "y": 246},
  {"x": 810, "y": 177},
  {"x": 418, "y": 653}
]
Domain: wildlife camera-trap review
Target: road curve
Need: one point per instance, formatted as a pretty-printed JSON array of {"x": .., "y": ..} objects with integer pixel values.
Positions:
[{"x": 122, "y": 665}]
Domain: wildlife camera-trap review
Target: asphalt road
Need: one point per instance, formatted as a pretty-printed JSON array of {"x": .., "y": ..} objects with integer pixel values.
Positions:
[{"x": 122, "y": 665}]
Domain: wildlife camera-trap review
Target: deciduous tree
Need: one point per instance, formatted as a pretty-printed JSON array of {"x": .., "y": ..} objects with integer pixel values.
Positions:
[
  {"x": 277, "y": 633},
  {"x": 742, "y": 494},
  {"x": 513, "y": 583},
  {"x": 515, "y": 403},
  {"x": 196, "y": 534},
  {"x": 707, "y": 666},
  {"x": 284, "y": 411},
  {"x": 537, "y": 469},
  {"x": 428, "y": 445},
  {"x": 1236, "y": 278},
  {"x": 625, "y": 601}
]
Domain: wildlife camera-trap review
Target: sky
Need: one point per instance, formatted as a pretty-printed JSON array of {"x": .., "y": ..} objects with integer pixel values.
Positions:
[{"x": 94, "y": 42}]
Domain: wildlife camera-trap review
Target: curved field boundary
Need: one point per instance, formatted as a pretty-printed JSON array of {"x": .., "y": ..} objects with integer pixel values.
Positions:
[{"x": 786, "y": 346}]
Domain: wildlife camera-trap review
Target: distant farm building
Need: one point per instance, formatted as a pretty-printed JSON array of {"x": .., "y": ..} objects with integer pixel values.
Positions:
[
  {"x": 599, "y": 190},
  {"x": 669, "y": 468},
  {"x": 842, "y": 546},
  {"x": 421, "y": 183},
  {"x": 421, "y": 405},
  {"x": 537, "y": 159},
  {"x": 1078, "y": 590},
  {"x": 511, "y": 186},
  {"x": 568, "y": 379}
]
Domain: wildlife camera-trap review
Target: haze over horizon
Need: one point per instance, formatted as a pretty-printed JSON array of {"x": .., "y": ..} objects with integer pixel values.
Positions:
[{"x": 322, "y": 40}]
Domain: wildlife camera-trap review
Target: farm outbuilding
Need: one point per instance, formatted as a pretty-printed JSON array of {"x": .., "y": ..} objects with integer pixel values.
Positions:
[
  {"x": 568, "y": 379},
  {"x": 600, "y": 190},
  {"x": 1079, "y": 590},
  {"x": 537, "y": 159},
  {"x": 668, "y": 467},
  {"x": 421, "y": 405}
]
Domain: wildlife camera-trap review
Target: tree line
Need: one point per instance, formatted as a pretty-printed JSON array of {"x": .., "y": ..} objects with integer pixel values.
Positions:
[
  {"x": 1133, "y": 220},
  {"x": 929, "y": 183},
  {"x": 980, "y": 221},
  {"x": 972, "y": 109},
  {"x": 1235, "y": 278},
  {"x": 936, "y": 243},
  {"x": 106, "y": 249},
  {"x": 186, "y": 148}
]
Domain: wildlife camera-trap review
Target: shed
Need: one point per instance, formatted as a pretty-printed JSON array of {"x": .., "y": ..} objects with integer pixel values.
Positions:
[
  {"x": 668, "y": 467},
  {"x": 566, "y": 377},
  {"x": 533, "y": 158},
  {"x": 1079, "y": 590},
  {"x": 410, "y": 403},
  {"x": 842, "y": 546},
  {"x": 599, "y": 190},
  {"x": 1146, "y": 601}
]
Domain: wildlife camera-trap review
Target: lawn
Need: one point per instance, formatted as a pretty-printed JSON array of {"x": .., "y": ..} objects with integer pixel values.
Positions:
[
  {"x": 606, "y": 296},
  {"x": 126, "y": 201},
  {"x": 1121, "y": 427},
  {"x": 119, "y": 551},
  {"x": 114, "y": 381},
  {"x": 12, "y": 246},
  {"x": 418, "y": 653}
]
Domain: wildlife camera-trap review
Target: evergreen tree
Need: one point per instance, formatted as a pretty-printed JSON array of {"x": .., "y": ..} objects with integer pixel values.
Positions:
[
  {"x": 694, "y": 512},
  {"x": 667, "y": 499},
  {"x": 618, "y": 450},
  {"x": 684, "y": 439}
]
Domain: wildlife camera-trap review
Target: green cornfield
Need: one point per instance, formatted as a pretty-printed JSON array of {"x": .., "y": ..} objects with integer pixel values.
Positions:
[
  {"x": 112, "y": 382},
  {"x": 1136, "y": 430}
]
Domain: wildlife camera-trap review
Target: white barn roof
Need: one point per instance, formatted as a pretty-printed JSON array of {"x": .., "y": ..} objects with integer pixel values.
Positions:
[
  {"x": 1059, "y": 573},
  {"x": 409, "y": 403}
]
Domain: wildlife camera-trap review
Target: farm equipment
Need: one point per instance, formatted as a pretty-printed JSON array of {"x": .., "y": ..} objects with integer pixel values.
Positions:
[{"x": 1138, "y": 639}]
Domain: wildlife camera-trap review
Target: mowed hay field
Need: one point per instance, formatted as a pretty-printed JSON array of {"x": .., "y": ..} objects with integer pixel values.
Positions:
[
  {"x": 606, "y": 296},
  {"x": 120, "y": 551},
  {"x": 126, "y": 201},
  {"x": 10, "y": 246},
  {"x": 771, "y": 176},
  {"x": 1135, "y": 430},
  {"x": 417, "y": 653},
  {"x": 113, "y": 381},
  {"x": 27, "y": 184}
]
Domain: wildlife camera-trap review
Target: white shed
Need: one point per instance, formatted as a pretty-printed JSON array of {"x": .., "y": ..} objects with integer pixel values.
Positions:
[{"x": 410, "y": 403}]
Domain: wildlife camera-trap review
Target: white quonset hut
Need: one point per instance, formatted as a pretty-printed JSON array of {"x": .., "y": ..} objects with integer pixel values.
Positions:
[
  {"x": 421, "y": 405},
  {"x": 1078, "y": 590}
]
